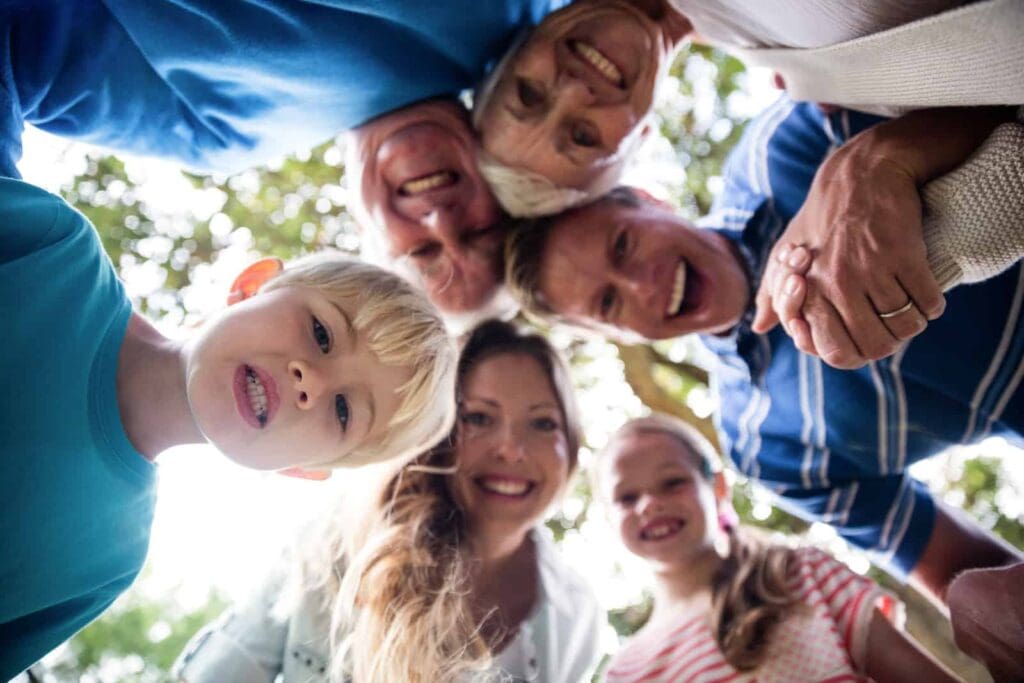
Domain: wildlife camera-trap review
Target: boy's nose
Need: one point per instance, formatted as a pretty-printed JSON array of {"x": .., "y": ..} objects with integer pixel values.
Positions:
[{"x": 307, "y": 382}]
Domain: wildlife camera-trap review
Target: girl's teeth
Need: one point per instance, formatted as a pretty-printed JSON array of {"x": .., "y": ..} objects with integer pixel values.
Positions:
[
  {"x": 660, "y": 531},
  {"x": 594, "y": 57},
  {"x": 678, "y": 290},
  {"x": 257, "y": 396}
]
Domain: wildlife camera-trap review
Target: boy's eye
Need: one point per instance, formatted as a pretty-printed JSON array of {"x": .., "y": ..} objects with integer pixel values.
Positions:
[
  {"x": 529, "y": 95},
  {"x": 341, "y": 410},
  {"x": 476, "y": 419},
  {"x": 607, "y": 303},
  {"x": 320, "y": 334}
]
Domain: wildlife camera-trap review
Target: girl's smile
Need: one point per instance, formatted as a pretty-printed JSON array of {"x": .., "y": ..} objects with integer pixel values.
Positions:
[{"x": 256, "y": 396}]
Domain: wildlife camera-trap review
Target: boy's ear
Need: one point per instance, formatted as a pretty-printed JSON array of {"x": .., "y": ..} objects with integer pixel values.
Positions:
[
  {"x": 302, "y": 473},
  {"x": 252, "y": 278}
]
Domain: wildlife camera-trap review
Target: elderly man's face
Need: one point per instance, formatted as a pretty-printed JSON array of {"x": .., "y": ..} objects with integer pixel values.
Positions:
[
  {"x": 571, "y": 102},
  {"x": 642, "y": 272},
  {"x": 419, "y": 185}
]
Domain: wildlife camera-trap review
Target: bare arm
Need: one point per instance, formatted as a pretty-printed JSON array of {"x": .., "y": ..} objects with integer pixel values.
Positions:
[{"x": 895, "y": 657}]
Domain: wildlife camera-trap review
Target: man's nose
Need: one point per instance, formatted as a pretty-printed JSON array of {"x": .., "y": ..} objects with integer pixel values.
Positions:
[
  {"x": 307, "y": 382},
  {"x": 444, "y": 222},
  {"x": 641, "y": 282}
]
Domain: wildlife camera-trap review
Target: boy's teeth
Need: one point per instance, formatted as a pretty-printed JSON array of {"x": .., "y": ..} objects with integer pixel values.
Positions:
[
  {"x": 594, "y": 57},
  {"x": 427, "y": 183},
  {"x": 257, "y": 395},
  {"x": 660, "y": 530},
  {"x": 678, "y": 290},
  {"x": 505, "y": 486}
]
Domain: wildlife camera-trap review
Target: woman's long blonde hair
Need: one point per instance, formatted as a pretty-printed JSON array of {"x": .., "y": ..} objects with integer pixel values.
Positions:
[
  {"x": 750, "y": 593},
  {"x": 396, "y": 584}
]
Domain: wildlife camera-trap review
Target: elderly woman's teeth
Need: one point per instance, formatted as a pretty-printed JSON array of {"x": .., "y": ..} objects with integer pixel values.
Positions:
[
  {"x": 594, "y": 57},
  {"x": 427, "y": 183},
  {"x": 678, "y": 290},
  {"x": 257, "y": 396}
]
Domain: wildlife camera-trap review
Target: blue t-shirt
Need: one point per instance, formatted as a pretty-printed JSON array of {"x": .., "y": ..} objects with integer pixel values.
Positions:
[
  {"x": 77, "y": 497},
  {"x": 835, "y": 444},
  {"x": 226, "y": 85}
]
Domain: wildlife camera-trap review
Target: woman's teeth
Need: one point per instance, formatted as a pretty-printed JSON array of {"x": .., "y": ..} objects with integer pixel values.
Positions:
[
  {"x": 427, "y": 183},
  {"x": 506, "y": 487},
  {"x": 659, "y": 531},
  {"x": 678, "y": 291},
  {"x": 257, "y": 396},
  {"x": 594, "y": 57}
]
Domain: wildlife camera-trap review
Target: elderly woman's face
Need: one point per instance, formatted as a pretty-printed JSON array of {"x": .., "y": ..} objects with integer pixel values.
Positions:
[
  {"x": 512, "y": 455},
  {"x": 419, "y": 186},
  {"x": 573, "y": 98}
]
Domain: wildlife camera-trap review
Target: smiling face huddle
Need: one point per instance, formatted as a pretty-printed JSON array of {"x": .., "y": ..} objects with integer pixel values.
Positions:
[
  {"x": 663, "y": 507},
  {"x": 419, "y": 186},
  {"x": 571, "y": 102},
  {"x": 283, "y": 379},
  {"x": 641, "y": 271},
  {"x": 512, "y": 454}
]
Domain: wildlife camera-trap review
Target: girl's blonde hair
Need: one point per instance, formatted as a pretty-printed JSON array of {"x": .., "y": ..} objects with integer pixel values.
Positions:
[
  {"x": 751, "y": 592},
  {"x": 402, "y": 328},
  {"x": 396, "y": 584}
]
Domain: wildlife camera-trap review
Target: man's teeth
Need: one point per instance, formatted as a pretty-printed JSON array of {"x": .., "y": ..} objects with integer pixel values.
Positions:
[
  {"x": 505, "y": 487},
  {"x": 678, "y": 290},
  {"x": 427, "y": 183},
  {"x": 660, "y": 530},
  {"x": 257, "y": 395},
  {"x": 594, "y": 57}
]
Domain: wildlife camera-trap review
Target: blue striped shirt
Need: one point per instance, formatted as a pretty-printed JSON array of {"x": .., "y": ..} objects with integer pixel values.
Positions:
[{"x": 835, "y": 444}]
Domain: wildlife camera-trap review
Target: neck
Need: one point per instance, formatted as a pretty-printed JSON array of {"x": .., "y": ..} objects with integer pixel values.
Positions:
[
  {"x": 151, "y": 391},
  {"x": 495, "y": 551},
  {"x": 685, "y": 585}
]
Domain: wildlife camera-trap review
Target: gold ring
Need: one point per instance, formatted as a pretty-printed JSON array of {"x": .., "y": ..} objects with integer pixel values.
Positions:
[{"x": 902, "y": 309}]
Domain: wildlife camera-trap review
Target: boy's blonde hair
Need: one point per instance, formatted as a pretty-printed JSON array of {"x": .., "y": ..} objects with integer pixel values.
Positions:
[{"x": 402, "y": 328}]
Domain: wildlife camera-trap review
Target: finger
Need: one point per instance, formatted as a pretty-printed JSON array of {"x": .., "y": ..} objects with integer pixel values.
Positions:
[
  {"x": 828, "y": 334},
  {"x": 798, "y": 259},
  {"x": 868, "y": 331},
  {"x": 800, "y": 333},
  {"x": 920, "y": 284},
  {"x": 905, "y": 324},
  {"x": 790, "y": 301},
  {"x": 764, "y": 314}
]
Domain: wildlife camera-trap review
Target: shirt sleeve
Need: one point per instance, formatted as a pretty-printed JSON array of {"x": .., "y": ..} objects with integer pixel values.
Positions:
[
  {"x": 850, "y": 599},
  {"x": 245, "y": 645},
  {"x": 891, "y": 517}
]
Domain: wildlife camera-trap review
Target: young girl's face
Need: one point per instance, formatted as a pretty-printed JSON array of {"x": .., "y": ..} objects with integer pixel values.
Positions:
[
  {"x": 664, "y": 508},
  {"x": 284, "y": 379},
  {"x": 511, "y": 451}
]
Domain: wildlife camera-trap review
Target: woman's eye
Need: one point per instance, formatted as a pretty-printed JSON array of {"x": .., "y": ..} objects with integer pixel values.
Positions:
[
  {"x": 320, "y": 334},
  {"x": 584, "y": 134},
  {"x": 476, "y": 419},
  {"x": 529, "y": 95},
  {"x": 341, "y": 410},
  {"x": 675, "y": 482},
  {"x": 545, "y": 424}
]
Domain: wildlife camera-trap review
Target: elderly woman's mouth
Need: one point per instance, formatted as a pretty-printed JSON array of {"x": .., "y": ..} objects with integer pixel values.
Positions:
[
  {"x": 597, "y": 59},
  {"x": 433, "y": 181}
]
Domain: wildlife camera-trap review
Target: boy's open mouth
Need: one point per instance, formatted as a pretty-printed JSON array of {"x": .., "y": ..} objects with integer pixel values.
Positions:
[
  {"x": 687, "y": 291},
  {"x": 661, "y": 528},
  {"x": 255, "y": 396}
]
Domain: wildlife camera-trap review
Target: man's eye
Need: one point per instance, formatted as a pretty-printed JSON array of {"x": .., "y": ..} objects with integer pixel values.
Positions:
[
  {"x": 426, "y": 250},
  {"x": 626, "y": 499},
  {"x": 607, "y": 303},
  {"x": 584, "y": 134},
  {"x": 341, "y": 410},
  {"x": 619, "y": 247},
  {"x": 529, "y": 95},
  {"x": 320, "y": 334}
]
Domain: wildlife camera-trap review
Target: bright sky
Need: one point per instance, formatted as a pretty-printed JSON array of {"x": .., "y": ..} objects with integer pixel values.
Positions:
[{"x": 220, "y": 525}]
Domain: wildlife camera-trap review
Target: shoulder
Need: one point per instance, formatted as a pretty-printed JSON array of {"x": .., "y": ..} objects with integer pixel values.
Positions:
[
  {"x": 32, "y": 218},
  {"x": 562, "y": 585}
]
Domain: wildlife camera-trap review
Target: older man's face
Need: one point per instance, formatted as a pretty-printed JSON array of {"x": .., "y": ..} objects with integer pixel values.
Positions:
[
  {"x": 641, "y": 272},
  {"x": 419, "y": 185}
]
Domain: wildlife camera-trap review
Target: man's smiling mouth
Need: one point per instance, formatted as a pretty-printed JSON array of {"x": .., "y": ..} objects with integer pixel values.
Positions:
[{"x": 433, "y": 181}]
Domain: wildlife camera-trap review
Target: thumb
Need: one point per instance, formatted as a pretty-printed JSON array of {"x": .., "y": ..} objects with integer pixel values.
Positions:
[{"x": 765, "y": 316}]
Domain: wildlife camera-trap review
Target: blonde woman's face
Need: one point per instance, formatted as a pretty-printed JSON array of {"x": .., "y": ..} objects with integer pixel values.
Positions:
[
  {"x": 576, "y": 93},
  {"x": 662, "y": 506},
  {"x": 283, "y": 379},
  {"x": 512, "y": 455}
]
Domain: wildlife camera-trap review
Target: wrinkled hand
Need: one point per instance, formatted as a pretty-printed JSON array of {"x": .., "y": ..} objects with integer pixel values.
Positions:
[{"x": 860, "y": 227}]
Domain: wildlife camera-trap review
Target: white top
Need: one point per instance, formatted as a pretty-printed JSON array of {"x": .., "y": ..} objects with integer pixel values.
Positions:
[
  {"x": 800, "y": 23},
  {"x": 254, "y": 643}
]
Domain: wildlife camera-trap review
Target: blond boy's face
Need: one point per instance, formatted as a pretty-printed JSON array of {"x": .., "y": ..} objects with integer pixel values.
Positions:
[{"x": 283, "y": 379}]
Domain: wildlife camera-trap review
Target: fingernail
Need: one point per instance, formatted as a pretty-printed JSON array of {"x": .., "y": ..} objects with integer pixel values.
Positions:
[
  {"x": 792, "y": 284},
  {"x": 783, "y": 253},
  {"x": 797, "y": 258}
]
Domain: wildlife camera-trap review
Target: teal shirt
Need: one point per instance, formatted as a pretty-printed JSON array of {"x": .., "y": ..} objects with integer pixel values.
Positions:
[{"x": 77, "y": 497}]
